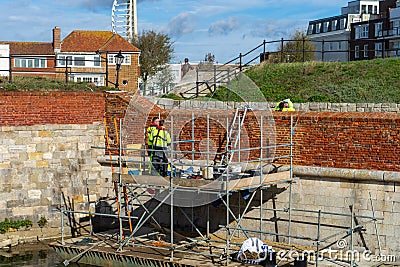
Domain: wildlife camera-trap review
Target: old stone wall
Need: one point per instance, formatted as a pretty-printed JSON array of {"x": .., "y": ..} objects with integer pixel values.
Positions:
[
  {"x": 45, "y": 152},
  {"x": 311, "y": 106}
]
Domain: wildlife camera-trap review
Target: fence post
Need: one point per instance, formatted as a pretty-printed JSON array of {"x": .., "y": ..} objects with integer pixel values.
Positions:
[
  {"x": 240, "y": 62},
  {"x": 265, "y": 47},
  {"x": 66, "y": 70},
  {"x": 9, "y": 69},
  {"x": 282, "y": 55},
  {"x": 304, "y": 52},
  {"x": 107, "y": 71},
  {"x": 323, "y": 51}
]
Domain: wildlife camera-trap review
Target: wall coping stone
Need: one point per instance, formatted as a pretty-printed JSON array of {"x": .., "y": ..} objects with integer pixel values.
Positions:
[{"x": 347, "y": 174}]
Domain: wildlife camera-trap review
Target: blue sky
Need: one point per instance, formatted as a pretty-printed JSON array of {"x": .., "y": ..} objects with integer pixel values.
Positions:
[{"x": 224, "y": 28}]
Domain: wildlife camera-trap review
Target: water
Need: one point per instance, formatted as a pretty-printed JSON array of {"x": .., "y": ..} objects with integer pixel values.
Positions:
[{"x": 38, "y": 254}]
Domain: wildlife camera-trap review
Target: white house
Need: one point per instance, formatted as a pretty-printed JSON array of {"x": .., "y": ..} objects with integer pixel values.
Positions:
[{"x": 331, "y": 35}]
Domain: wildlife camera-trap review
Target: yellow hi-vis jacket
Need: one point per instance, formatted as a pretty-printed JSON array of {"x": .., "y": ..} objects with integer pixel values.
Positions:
[
  {"x": 150, "y": 135},
  {"x": 289, "y": 108},
  {"x": 161, "y": 138}
]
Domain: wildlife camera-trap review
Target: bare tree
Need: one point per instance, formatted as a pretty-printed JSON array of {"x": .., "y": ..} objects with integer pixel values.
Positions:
[
  {"x": 156, "y": 51},
  {"x": 298, "y": 48}
]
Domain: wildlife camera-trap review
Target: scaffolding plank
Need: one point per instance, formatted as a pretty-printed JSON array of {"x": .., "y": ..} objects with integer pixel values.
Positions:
[{"x": 237, "y": 184}]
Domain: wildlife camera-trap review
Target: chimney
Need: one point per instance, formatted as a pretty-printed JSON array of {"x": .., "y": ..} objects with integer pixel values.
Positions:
[{"x": 57, "y": 39}]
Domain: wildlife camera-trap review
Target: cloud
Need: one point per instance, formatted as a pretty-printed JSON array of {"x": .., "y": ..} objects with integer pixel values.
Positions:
[
  {"x": 223, "y": 27},
  {"x": 180, "y": 25}
]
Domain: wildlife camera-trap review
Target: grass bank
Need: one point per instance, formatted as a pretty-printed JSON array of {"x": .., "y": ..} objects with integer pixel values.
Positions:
[{"x": 368, "y": 81}]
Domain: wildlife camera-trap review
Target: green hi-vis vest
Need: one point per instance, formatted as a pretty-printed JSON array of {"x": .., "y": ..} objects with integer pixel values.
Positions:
[{"x": 161, "y": 138}]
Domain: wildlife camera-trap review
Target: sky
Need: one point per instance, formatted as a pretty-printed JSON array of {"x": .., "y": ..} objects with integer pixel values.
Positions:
[{"x": 223, "y": 28}]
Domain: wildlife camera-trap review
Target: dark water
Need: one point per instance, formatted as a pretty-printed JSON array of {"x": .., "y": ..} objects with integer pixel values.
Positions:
[{"x": 32, "y": 255}]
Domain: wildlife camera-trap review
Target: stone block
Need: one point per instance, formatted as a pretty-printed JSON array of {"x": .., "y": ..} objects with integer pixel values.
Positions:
[
  {"x": 31, "y": 148},
  {"x": 34, "y": 194},
  {"x": 44, "y": 133},
  {"x": 42, "y": 164},
  {"x": 35, "y": 155},
  {"x": 17, "y": 148},
  {"x": 42, "y": 147},
  {"x": 23, "y": 211}
]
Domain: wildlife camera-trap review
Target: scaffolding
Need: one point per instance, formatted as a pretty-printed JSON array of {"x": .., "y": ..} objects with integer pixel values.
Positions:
[
  {"x": 218, "y": 158},
  {"x": 228, "y": 177}
]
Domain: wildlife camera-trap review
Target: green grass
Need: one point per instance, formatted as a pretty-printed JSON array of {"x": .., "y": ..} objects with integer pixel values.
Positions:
[
  {"x": 372, "y": 81},
  {"x": 368, "y": 81},
  {"x": 20, "y": 83}
]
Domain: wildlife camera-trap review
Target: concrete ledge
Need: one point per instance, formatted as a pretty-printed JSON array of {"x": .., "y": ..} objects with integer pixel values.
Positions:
[{"x": 348, "y": 174}]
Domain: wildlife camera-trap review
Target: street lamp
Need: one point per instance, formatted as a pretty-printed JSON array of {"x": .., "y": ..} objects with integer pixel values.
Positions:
[{"x": 119, "y": 58}]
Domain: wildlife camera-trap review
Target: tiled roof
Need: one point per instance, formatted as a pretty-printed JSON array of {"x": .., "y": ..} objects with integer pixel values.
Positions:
[
  {"x": 30, "y": 48},
  {"x": 92, "y": 41}
]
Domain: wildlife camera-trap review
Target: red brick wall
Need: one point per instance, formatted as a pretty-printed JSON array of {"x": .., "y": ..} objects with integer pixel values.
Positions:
[
  {"x": 31, "y": 108},
  {"x": 356, "y": 140},
  {"x": 327, "y": 139}
]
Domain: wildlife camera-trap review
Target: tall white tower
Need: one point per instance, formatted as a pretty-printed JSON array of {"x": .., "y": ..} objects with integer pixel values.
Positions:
[{"x": 124, "y": 18}]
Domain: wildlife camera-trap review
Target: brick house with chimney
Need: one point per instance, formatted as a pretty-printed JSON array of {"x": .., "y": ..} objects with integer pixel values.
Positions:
[{"x": 82, "y": 56}]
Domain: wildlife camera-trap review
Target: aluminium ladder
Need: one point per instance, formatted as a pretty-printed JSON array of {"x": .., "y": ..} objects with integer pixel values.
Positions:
[{"x": 233, "y": 138}]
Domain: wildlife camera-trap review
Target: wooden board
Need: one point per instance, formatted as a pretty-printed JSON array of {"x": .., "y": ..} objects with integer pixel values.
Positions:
[{"x": 236, "y": 184}]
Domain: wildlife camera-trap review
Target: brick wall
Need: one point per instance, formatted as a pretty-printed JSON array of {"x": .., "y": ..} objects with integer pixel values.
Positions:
[
  {"x": 355, "y": 140},
  {"x": 31, "y": 108}
]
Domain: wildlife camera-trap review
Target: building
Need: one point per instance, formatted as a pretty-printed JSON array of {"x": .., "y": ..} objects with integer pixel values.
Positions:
[
  {"x": 331, "y": 35},
  {"x": 375, "y": 38},
  {"x": 82, "y": 56},
  {"x": 394, "y": 31}
]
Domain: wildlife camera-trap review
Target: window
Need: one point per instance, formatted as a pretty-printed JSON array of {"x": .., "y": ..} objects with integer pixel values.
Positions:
[
  {"x": 396, "y": 27},
  {"x": 357, "y": 32},
  {"x": 333, "y": 25},
  {"x": 79, "y": 61},
  {"x": 339, "y": 45},
  {"x": 331, "y": 46},
  {"x": 310, "y": 29},
  {"x": 318, "y": 28},
  {"x": 356, "y": 51},
  {"x": 366, "y": 50},
  {"x": 378, "y": 29},
  {"x": 97, "y": 80},
  {"x": 378, "y": 49},
  {"x": 343, "y": 23},
  {"x": 96, "y": 61},
  {"x": 396, "y": 49},
  {"x": 326, "y": 26},
  {"x": 361, "y": 31},
  {"x": 111, "y": 59},
  {"x": 363, "y": 9},
  {"x": 30, "y": 63}
]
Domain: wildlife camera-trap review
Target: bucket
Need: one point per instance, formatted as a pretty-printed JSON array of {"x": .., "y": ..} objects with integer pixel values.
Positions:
[{"x": 208, "y": 172}]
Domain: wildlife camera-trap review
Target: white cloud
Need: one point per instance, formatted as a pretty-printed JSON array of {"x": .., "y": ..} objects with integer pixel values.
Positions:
[{"x": 223, "y": 27}]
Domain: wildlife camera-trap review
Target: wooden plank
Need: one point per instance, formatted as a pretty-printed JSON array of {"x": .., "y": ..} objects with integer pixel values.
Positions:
[{"x": 238, "y": 184}]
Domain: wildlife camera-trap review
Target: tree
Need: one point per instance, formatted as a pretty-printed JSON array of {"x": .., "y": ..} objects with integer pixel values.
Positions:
[
  {"x": 209, "y": 58},
  {"x": 165, "y": 80},
  {"x": 299, "y": 48},
  {"x": 156, "y": 51}
]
